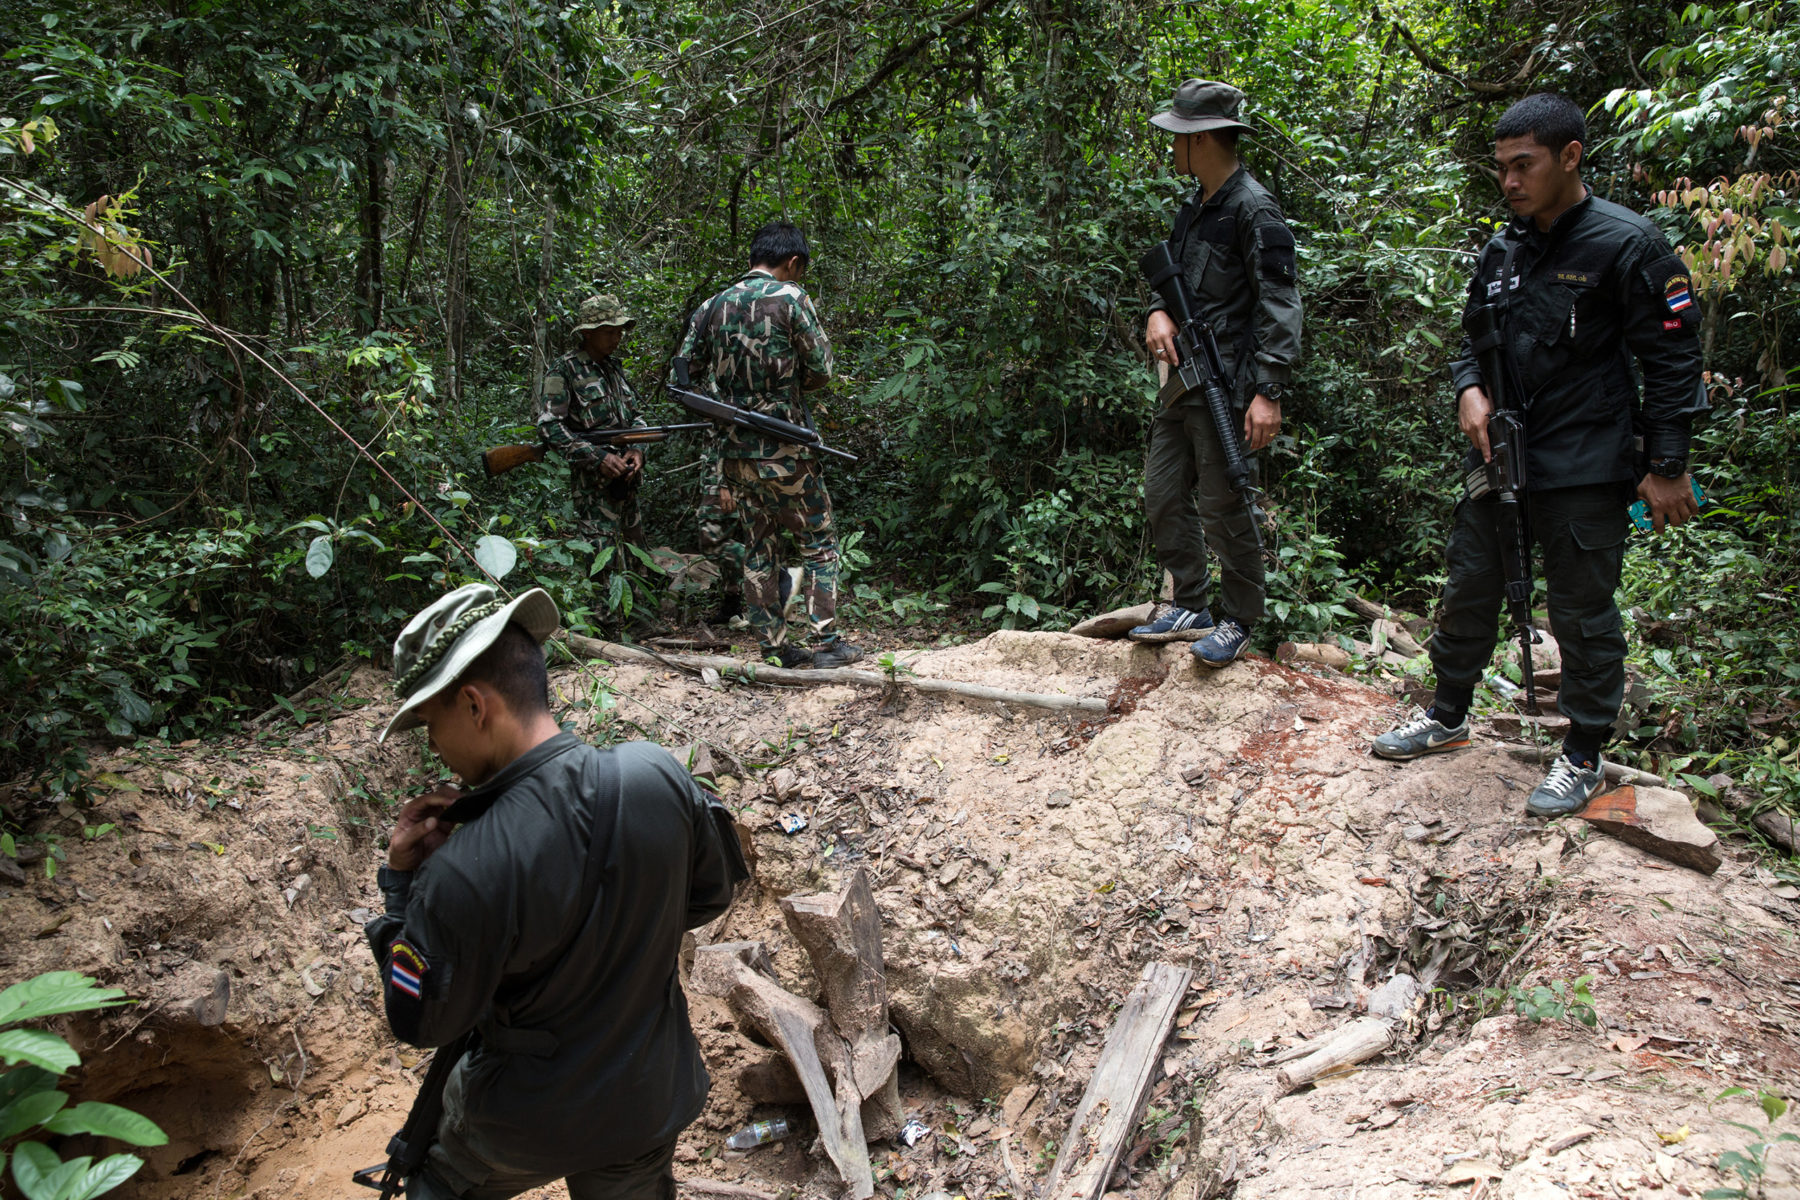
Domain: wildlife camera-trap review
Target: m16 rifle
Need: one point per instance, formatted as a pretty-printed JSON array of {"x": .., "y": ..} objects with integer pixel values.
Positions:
[
  {"x": 407, "y": 1149},
  {"x": 681, "y": 391},
  {"x": 1200, "y": 369},
  {"x": 1503, "y": 477},
  {"x": 501, "y": 459}
]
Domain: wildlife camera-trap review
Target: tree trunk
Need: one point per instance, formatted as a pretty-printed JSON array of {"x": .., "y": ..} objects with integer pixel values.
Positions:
[
  {"x": 540, "y": 318},
  {"x": 456, "y": 251}
]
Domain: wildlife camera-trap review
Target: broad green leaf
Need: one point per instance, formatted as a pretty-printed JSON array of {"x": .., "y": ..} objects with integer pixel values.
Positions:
[
  {"x": 108, "y": 1120},
  {"x": 28, "y": 1112},
  {"x": 54, "y": 993},
  {"x": 496, "y": 555},
  {"x": 38, "y": 1048},
  {"x": 61, "y": 1183},
  {"x": 32, "y": 1164},
  {"x": 24, "y": 1081},
  {"x": 106, "y": 1175},
  {"x": 319, "y": 556}
]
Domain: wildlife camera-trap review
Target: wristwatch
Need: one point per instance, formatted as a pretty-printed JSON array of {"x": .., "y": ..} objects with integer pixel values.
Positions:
[
  {"x": 1668, "y": 468},
  {"x": 1274, "y": 391}
]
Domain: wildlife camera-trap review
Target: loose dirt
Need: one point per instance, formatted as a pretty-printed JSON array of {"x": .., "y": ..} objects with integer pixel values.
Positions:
[{"x": 1027, "y": 867}]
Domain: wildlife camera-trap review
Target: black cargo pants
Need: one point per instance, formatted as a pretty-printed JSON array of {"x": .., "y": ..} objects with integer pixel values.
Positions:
[
  {"x": 1580, "y": 538},
  {"x": 1190, "y": 507}
]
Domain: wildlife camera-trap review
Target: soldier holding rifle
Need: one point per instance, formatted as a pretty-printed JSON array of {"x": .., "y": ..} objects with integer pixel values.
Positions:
[
  {"x": 1236, "y": 255},
  {"x": 1563, "y": 300},
  {"x": 585, "y": 390}
]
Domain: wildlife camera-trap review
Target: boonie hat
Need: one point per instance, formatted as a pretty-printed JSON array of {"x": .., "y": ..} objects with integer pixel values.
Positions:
[
  {"x": 601, "y": 310},
  {"x": 1202, "y": 104},
  {"x": 438, "y": 645}
]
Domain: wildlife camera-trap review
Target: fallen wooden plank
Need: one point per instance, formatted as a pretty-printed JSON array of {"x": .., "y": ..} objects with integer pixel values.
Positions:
[
  {"x": 800, "y": 1029},
  {"x": 718, "y": 1187},
  {"x": 1108, "y": 1112},
  {"x": 751, "y": 672}
]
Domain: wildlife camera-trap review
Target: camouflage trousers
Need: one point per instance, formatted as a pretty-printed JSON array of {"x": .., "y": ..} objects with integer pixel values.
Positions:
[
  {"x": 788, "y": 493},
  {"x": 606, "y": 510},
  {"x": 720, "y": 532}
]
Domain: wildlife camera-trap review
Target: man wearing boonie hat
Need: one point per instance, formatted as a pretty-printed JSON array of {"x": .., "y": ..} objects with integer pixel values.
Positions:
[
  {"x": 1237, "y": 254},
  {"x": 542, "y": 905},
  {"x": 584, "y": 390}
]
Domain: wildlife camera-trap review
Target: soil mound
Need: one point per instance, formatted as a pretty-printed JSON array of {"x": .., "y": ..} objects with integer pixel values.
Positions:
[{"x": 1027, "y": 867}]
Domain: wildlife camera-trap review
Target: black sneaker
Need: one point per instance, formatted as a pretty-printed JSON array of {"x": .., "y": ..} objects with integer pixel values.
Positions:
[
  {"x": 835, "y": 653},
  {"x": 1173, "y": 623},
  {"x": 792, "y": 657}
]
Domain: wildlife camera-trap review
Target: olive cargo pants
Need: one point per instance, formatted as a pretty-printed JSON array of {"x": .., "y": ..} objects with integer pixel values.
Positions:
[
  {"x": 1191, "y": 507},
  {"x": 1580, "y": 546}
]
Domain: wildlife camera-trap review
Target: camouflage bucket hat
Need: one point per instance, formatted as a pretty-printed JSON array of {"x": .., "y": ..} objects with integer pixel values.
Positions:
[
  {"x": 1202, "y": 104},
  {"x": 438, "y": 645},
  {"x": 599, "y": 311}
]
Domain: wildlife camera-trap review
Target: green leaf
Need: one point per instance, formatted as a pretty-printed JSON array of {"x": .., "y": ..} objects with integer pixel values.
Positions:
[
  {"x": 38, "y": 1048},
  {"x": 29, "y": 1111},
  {"x": 24, "y": 1081},
  {"x": 52, "y": 994},
  {"x": 496, "y": 554},
  {"x": 319, "y": 556},
  {"x": 1773, "y": 1106},
  {"x": 33, "y": 1162},
  {"x": 106, "y": 1175},
  {"x": 108, "y": 1120}
]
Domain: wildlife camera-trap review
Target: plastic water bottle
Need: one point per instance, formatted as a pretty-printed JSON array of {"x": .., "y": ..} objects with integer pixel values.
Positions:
[
  {"x": 1640, "y": 511},
  {"x": 758, "y": 1133}
]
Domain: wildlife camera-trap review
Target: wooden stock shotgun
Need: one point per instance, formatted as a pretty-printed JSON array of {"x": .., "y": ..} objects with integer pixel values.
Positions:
[{"x": 501, "y": 459}]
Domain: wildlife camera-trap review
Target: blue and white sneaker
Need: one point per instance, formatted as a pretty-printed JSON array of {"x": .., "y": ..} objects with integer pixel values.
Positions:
[
  {"x": 1173, "y": 623},
  {"x": 1226, "y": 643}
]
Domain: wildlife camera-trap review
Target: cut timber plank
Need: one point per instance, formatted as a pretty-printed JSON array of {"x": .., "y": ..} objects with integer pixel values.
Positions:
[
  {"x": 588, "y": 647},
  {"x": 1108, "y": 1112}
]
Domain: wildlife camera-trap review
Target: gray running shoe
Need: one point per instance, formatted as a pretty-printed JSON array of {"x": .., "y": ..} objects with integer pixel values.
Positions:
[
  {"x": 1422, "y": 735},
  {"x": 1566, "y": 789}
]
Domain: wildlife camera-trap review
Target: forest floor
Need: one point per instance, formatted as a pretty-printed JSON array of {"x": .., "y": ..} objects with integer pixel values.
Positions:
[{"x": 1028, "y": 867}]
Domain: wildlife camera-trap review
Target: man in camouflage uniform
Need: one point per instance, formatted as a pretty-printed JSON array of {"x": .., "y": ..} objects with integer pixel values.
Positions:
[
  {"x": 1237, "y": 255},
  {"x": 585, "y": 390},
  {"x": 761, "y": 344}
]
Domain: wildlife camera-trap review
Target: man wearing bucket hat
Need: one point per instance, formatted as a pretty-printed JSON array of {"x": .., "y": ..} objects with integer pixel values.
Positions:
[
  {"x": 585, "y": 390},
  {"x": 1237, "y": 255},
  {"x": 542, "y": 906}
]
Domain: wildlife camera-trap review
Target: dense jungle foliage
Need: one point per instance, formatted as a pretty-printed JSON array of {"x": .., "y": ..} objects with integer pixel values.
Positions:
[{"x": 275, "y": 272}]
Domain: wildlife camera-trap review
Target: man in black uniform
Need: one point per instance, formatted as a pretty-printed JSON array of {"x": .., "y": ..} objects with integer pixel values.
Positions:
[
  {"x": 1237, "y": 254},
  {"x": 1584, "y": 286},
  {"x": 549, "y": 924}
]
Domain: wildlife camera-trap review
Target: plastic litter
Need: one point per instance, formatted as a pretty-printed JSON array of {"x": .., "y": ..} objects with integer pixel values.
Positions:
[
  {"x": 913, "y": 1130},
  {"x": 792, "y": 823},
  {"x": 758, "y": 1133}
]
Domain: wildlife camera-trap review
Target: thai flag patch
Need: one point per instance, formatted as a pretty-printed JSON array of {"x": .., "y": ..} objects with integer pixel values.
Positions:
[
  {"x": 406, "y": 969},
  {"x": 1676, "y": 294}
]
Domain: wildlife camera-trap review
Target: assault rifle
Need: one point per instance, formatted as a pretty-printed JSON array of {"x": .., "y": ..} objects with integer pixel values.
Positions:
[
  {"x": 681, "y": 392},
  {"x": 1200, "y": 369},
  {"x": 407, "y": 1149},
  {"x": 501, "y": 459},
  {"x": 1503, "y": 477}
]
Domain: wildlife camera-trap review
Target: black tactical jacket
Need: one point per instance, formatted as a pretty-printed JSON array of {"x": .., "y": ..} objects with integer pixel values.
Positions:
[
  {"x": 565, "y": 965},
  {"x": 1581, "y": 302},
  {"x": 1237, "y": 254}
]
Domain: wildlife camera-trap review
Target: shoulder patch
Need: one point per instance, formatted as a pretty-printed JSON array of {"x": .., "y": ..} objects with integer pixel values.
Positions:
[
  {"x": 1276, "y": 259},
  {"x": 553, "y": 384},
  {"x": 406, "y": 970},
  {"x": 1676, "y": 293}
]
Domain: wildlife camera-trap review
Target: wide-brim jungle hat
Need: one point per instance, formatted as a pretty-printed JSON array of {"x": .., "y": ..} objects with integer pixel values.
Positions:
[
  {"x": 602, "y": 310},
  {"x": 438, "y": 645},
  {"x": 1202, "y": 104}
]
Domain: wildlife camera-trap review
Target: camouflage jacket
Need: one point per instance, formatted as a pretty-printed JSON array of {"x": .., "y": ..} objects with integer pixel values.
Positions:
[
  {"x": 1238, "y": 255},
  {"x": 579, "y": 394},
  {"x": 761, "y": 344}
]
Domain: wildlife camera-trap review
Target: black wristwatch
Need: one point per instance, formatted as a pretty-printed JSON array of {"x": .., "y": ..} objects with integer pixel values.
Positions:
[
  {"x": 1668, "y": 468},
  {"x": 1274, "y": 391}
]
